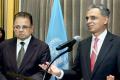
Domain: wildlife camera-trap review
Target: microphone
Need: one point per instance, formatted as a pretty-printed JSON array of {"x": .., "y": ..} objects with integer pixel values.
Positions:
[{"x": 69, "y": 43}]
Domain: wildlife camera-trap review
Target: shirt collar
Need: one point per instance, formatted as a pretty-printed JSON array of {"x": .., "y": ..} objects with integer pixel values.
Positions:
[
  {"x": 26, "y": 41},
  {"x": 101, "y": 36}
]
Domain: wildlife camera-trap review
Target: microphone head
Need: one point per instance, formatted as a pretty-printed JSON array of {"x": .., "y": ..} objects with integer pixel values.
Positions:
[
  {"x": 77, "y": 38},
  {"x": 69, "y": 43}
]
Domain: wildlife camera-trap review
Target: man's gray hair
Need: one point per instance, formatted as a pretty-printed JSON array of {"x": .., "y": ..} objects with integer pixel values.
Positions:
[{"x": 103, "y": 9}]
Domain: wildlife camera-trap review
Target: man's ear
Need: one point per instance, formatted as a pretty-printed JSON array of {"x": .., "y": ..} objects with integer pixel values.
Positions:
[
  {"x": 32, "y": 28},
  {"x": 106, "y": 20}
]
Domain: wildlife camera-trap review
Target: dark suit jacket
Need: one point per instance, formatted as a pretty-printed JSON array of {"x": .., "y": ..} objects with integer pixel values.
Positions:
[
  {"x": 108, "y": 61},
  {"x": 36, "y": 53}
]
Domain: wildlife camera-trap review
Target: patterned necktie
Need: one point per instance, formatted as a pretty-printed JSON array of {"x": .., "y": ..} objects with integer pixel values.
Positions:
[
  {"x": 93, "y": 54},
  {"x": 20, "y": 54}
]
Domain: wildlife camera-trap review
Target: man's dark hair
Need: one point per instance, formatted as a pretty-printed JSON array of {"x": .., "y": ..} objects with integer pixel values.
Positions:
[
  {"x": 24, "y": 15},
  {"x": 103, "y": 9}
]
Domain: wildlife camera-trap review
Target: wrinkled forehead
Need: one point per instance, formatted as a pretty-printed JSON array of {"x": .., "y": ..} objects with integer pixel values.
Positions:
[
  {"x": 22, "y": 21},
  {"x": 93, "y": 12}
]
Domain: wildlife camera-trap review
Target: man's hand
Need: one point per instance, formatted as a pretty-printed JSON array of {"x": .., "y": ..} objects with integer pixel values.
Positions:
[
  {"x": 52, "y": 70},
  {"x": 110, "y": 77}
]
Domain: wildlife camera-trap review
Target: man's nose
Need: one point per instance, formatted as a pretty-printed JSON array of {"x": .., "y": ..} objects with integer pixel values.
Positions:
[
  {"x": 21, "y": 28},
  {"x": 89, "y": 21}
]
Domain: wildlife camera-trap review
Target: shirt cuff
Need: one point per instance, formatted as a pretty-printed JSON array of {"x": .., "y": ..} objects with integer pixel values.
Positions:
[{"x": 61, "y": 76}]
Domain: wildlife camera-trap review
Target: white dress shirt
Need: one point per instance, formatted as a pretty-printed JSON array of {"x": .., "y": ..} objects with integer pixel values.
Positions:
[{"x": 26, "y": 41}]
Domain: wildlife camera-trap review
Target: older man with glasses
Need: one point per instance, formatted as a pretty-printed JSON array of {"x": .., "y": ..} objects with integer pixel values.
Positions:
[{"x": 20, "y": 56}]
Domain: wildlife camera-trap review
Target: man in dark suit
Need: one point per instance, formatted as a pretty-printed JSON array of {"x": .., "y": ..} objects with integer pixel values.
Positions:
[
  {"x": 14, "y": 66},
  {"x": 97, "y": 56}
]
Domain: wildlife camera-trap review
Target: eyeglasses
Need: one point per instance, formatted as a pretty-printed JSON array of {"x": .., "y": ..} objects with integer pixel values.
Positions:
[{"x": 21, "y": 27}]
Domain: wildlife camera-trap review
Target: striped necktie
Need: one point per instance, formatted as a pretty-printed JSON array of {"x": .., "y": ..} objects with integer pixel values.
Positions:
[
  {"x": 20, "y": 54},
  {"x": 93, "y": 54}
]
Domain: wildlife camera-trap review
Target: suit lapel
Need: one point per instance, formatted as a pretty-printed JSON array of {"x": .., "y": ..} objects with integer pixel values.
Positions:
[
  {"x": 87, "y": 55},
  {"x": 29, "y": 54},
  {"x": 107, "y": 45}
]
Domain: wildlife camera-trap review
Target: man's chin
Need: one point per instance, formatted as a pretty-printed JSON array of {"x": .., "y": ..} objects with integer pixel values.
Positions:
[
  {"x": 91, "y": 30},
  {"x": 22, "y": 38}
]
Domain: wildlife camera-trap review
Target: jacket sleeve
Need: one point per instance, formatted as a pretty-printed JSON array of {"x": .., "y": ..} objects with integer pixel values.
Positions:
[{"x": 2, "y": 77}]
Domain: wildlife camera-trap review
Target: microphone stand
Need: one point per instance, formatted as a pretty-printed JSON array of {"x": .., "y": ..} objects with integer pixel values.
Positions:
[{"x": 68, "y": 50}]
